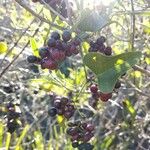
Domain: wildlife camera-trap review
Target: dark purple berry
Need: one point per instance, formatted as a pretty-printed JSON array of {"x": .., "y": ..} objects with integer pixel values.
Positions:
[
  {"x": 52, "y": 112},
  {"x": 75, "y": 144},
  {"x": 51, "y": 42},
  {"x": 43, "y": 52},
  {"x": 90, "y": 127},
  {"x": 55, "y": 35},
  {"x": 57, "y": 103},
  {"x": 32, "y": 59},
  {"x": 66, "y": 36},
  {"x": 93, "y": 88},
  {"x": 108, "y": 51},
  {"x": 100, "y": 40}
]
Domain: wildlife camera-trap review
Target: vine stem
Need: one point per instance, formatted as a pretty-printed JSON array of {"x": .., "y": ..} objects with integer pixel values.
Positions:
[
  {"x": 136, "y": 67},
  {"x": 21, "y": 3},
  {"x": 132, "y": 25}
]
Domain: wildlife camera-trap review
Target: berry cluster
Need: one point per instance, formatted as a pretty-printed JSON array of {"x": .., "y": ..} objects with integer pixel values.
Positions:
[
  {"x": 62, "y": 106},
  {"x": 99, "y": 46},
  {"x": 12, "y": 116},
  {"x": 57, "y": 5},
  {"x": 80, "y": 132},
  {"x": 96, "y": 95},
  {"x": 56, "y": 50}
]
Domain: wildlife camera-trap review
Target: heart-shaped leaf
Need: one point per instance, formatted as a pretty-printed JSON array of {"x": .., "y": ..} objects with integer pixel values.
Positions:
[{"x": 109, "y": 68}]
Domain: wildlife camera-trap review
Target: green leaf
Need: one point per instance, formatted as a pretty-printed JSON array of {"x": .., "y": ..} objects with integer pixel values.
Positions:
[
  {"x": 23, "y": 134},
  {"x": 107, "y": 142},
  {"x": 109, "y": 68},
  {"x": 129, "y": 107},
  {"x": 3, "y": 47},
  {"x": 1, "y": 133},
  {"x": 34, "y": 47},
  {"x": 91, "y": 21}
]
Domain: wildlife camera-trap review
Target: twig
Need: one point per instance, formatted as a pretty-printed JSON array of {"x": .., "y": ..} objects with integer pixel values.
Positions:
[
  {"x": 7, "y": 67},
  {"x": 38, "y": 16},
  {"x": 141, "y": 70},
  {"x": 135, "y": 88},
  {"x": 132, "y": 25},
  {"x": 68, "y": 11},
  {"x": 55, "y": 12},
  {"x": 16, "y": 43}
]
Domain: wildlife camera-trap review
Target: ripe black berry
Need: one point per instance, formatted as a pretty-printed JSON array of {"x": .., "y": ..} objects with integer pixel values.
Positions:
[
  {"x": 101, "y": 40},
  {"x": 52, "y": 112},
  {"x": 51, "y": 42},
  {"x": 75, "y": 144},
  {"x": 66, "y": 36},
  {"x": 32, "y": 59},
  {"x": 55, "y": 35},
  {"x": 108, "y": 51},
  {"x": 43, "y": 52}
]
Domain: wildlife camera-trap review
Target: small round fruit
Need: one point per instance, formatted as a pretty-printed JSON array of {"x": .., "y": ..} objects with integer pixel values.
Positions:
[
  {"x": 49, "y": 64},
  {"x": 108, "y": 51},
  {"x": 52, "y": 112},
  {"x": 105, "y": 96},
  {"x": 32, "y": 59},
  {"x": 66, "y": 36},
  {"x": 75, "y": 144},
  {"x": 51, "y": 42},
  {"x": 57, "y": 55},
  {"x": 43, "y": 52},
  {"x": 55, "y": 35},
  {"x": 57, "y": 103},
  {"x": 68, "y": 114},
  {"x": 93, "y": 88},
  {"x": 76, "y": 41},
  {"x": 90, "y": 127},
  {"x": 100, "y": 40}
]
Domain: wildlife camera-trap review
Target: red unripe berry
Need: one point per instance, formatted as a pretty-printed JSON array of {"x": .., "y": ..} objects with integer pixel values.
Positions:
[
  {"x": 57, "y": 55},
  {"x": 49, "y": 64},
  {"x": 105, "y": 96},
  {"x": 93, "y": 88}
]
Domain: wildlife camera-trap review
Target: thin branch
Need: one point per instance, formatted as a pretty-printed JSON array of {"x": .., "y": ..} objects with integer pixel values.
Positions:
[
  {"x": 21, "y": 3},
  {"x": 55, "y": 12},
  {"x": 141, "y": 70},
  {"x": 132, "y": 25},
  {"x": 16, "y": 43},
  {"x": 7, "y": 67},
  {"x": 135, "y": 88},
  {"x": 68, "y": 11}
]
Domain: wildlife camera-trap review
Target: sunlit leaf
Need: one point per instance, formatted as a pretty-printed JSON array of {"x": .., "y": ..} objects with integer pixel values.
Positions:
[
  {"x": 109, "y": 68},
  {"x": 108, "y": 140},
  {"x": 8, "y": 138},
  {"x": 3, "y": 47},
  {"x": 34, "y": 47},
  {"x": 1, "y": 133},
  {"x": 24, "y": 132},
  {"x": 129, "y": 107},
  {"x": 60, "y": 119}
]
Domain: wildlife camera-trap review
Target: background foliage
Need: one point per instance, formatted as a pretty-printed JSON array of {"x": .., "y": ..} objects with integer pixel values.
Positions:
[{"x": 122, "y": 123}]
